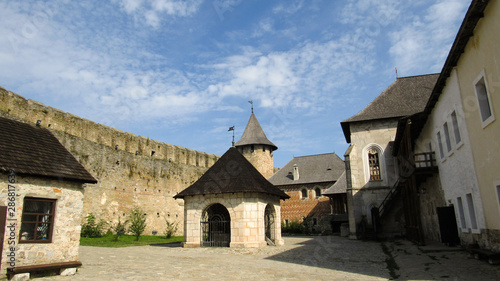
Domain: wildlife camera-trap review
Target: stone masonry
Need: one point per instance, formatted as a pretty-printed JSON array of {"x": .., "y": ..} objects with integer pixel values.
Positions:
[
  {"x": 128, "y": 172},
  {"x": 67, "y": 227}
]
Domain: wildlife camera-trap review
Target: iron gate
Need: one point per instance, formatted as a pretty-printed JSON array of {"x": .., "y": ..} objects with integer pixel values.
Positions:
[
  {"x": 216, "y": 227},
  {"x": 269, "y": 225}
]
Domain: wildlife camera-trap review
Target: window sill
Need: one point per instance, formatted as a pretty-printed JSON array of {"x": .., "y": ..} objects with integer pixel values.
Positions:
[{"x": 488, "y": 121}]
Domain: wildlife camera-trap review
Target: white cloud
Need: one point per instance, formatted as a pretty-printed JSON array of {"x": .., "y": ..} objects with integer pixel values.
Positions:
[
  {"x": 425, "y": 42},
  {"x": 152, "y": 11}
]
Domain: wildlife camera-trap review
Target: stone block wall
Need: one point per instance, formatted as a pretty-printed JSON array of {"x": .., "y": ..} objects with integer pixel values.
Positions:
[
  {"x": 261, "y": 158},
  {"x": 364, "y": 194},
  {"x": 31, "y": 111},
  {"x": 129, "y": 174},
  {"x": 247, "y": 218},
  {"x": 67, "y": 225}
]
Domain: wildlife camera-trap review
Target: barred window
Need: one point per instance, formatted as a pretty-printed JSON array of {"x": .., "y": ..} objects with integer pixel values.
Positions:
[
  {"x": 374, "y": 162},
  {"x": 37, "y": 221}
]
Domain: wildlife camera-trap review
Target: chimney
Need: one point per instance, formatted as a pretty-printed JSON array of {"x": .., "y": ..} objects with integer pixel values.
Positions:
[{"x": 295, "y": 172}]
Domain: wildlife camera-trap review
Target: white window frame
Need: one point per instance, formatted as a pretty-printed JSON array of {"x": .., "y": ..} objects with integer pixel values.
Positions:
[
  {"x": 447, "y": 139},
  {"x": 439, "y": 141},
  {"x": 461, "y": 215},
  {"x": 381, "y": 160},
  {"x": 491, "y": 118},
  {"x": 456, "y": 129},
  {"x": 472, "y": 212},
  {"x": 497, "y": 188}
]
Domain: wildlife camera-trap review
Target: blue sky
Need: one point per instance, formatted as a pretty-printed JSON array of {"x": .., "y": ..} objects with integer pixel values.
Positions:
[{"x": 182, "y": 72}]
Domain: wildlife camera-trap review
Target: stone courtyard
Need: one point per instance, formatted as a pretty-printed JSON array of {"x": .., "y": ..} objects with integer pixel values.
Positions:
[{"x": 302, "y": 258}]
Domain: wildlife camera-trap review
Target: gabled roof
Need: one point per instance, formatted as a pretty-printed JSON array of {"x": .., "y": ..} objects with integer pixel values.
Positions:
[
  {"x": 339, "y": 187},
  {"x": 34, "y": 151},
  {"x": 254, "y": 134},
  {"x": 406, "y": 96},
  {"x": 312, "y": 169},
  {"x": 232, "y": 173}
]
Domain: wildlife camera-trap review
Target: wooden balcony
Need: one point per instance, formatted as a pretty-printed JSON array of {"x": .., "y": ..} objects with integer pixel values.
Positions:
[{"x": 420, "y": 164}]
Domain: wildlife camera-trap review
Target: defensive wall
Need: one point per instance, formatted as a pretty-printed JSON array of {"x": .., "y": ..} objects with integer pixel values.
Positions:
[{"x": 131, "y": 170}]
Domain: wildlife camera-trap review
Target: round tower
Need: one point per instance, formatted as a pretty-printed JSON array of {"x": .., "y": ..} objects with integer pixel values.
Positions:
[{"x": 256, "y": 148}]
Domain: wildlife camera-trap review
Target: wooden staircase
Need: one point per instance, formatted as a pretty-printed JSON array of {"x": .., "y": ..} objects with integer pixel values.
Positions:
[{"x": 389, "y": 199}]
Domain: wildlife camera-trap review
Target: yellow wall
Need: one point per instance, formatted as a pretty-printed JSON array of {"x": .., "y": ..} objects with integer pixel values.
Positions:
[{"x": 482, "y": 53}]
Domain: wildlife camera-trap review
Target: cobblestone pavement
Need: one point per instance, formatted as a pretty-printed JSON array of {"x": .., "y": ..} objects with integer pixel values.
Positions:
[{"x": 302, "y": 258}]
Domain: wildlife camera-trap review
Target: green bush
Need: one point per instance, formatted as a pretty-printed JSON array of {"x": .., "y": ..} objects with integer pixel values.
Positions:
[
  {"x": 119, "y": 229},
  {"x": 92, "y": 229},
  {"x": 293, "y": 227},
  {"x": 137, "y": 222},
  {"x": 170, "y": 229}
]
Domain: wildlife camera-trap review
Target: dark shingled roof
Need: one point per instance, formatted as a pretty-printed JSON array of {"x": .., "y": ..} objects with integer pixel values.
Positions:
[
  {"x": 232, "y": 173},
  {"x": 254, "y": 134},
  {"x": 340, "y": 186},
  {"x": 31, "y": 150},
  {"x": 406, "y": 96},
  {"x": 312, "y": 169}
]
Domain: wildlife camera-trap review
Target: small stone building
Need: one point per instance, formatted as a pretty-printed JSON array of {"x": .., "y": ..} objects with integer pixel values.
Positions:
[
  {"x": 233, "y": 205},
  {"x": 305, "y": 179},
  {"x": 41, "y": 201}
]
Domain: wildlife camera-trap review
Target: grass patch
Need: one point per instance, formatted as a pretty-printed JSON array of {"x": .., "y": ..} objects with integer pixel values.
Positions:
[{"x": 128, "y": 240}]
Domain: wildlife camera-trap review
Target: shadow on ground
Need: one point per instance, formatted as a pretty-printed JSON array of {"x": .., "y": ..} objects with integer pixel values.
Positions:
[
  {"x": 336, "y": 253},
  {"x": 170, "y": 245}
]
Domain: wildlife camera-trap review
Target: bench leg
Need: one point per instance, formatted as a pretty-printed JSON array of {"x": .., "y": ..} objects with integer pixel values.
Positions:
[{"x": 21, "y": 277}]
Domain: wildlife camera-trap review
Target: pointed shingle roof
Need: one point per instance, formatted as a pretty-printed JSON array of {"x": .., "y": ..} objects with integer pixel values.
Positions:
[
  {"x": 254, "y": 134},
  {"x": 232, "y": 173},
  {"x": 326, "y": 167},
  {"x": 404, "y": 97},
  {"x": 33, "y": 150}
]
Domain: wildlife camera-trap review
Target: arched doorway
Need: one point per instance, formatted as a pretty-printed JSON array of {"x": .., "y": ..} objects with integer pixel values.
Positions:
[
  {"x": 269, "y": 224},
  {"x": 215, "y": 226}
]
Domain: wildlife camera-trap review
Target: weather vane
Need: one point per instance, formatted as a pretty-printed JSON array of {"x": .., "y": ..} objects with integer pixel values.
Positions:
[
  {"x": 251, "y": 102},
  {"x": 231, "y": 129}
]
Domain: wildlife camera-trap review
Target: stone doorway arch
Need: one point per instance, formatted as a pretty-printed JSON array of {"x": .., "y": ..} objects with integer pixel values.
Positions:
[
  {"x": 215, "y": 226},
  {"x": 270, "y": 224}
]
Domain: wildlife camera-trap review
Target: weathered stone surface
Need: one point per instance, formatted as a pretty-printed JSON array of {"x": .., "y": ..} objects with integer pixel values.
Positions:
[
  {"x": 67, "y": 224},
  {"x": 128, "y": 171},
  {"x": 21, "y": 277}
]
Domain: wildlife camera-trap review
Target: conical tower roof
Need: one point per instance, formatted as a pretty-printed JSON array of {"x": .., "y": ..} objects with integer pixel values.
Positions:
[
  {"x": 254, "y": 134},
  {"x": 232, "y": 173}
]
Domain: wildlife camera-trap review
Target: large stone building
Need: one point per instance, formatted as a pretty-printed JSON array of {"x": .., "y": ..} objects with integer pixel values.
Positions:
[
  {"x": 461, "y": 201},
  {"x": 305, "y": 179},
  {"x": 371, "y": 170},
  {"x": 232, "y": 204},
  {"x": 41, "y": 198}
]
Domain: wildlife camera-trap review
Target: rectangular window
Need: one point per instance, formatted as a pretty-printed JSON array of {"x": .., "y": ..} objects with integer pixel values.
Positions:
[
  {"x": 472, "y": 212},
  {"x": 461, "y": 213},
  {"x": 37, "y": 221},
  {"x": 374, "y": 163},
  {"x": 447, "y": 136},
  {"x": 440, "y": 144},
  {"x": 483, "y": 100},
  {"x": 456, "y": 130}
]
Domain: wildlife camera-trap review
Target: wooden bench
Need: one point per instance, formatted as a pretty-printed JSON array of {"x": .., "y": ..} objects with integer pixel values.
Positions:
[
  {"x": 11, "y": 271},
  {"x": 492, "y": 257}
]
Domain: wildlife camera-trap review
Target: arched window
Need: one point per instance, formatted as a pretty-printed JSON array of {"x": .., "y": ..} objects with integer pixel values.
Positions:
[
  {"x": 304, "y": 194},
  {"x": 317, "y": 190},
  {"x": 374, "y": 164}
]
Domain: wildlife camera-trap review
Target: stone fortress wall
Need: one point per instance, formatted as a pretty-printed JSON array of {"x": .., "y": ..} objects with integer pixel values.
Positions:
[{"x": 131, "y": 170}]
